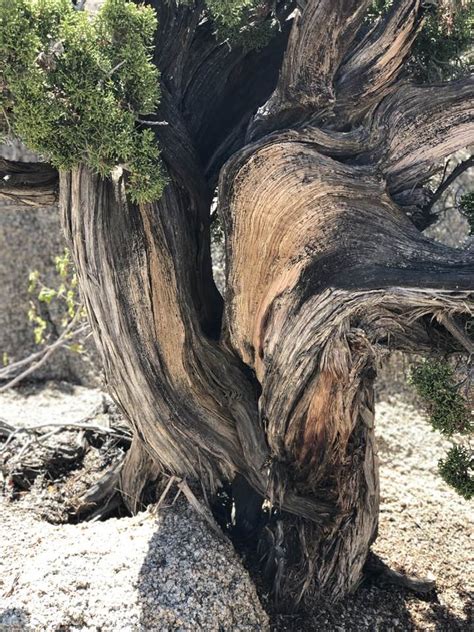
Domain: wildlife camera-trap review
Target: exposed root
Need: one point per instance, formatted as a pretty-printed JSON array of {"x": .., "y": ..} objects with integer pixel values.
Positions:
[
  {"x": 378, "y": 572},
  {"x": 103, "y": 495},
  {"x": 138, "y": 474}
]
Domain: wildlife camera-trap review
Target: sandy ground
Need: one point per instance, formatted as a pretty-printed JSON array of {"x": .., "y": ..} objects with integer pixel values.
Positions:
[{"x": 92, "y": 576}]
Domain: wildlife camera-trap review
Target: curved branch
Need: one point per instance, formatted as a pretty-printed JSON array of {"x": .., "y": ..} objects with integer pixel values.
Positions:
[
  {"x": 370, "y": 70},
  {"x": 322, "y": 33},
  {"x": 447, "y": 182},
  {"x": 324, "y": 270},
  {"x": 418, "y": 126},
  {"x": 29, "y": 183}
]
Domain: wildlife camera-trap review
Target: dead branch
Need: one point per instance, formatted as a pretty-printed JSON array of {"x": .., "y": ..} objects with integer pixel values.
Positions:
[
  {"x": 100, "y": 495},
  {"x": 321, "y": 34},
  {"x": 32, "y": 431},
  {"x": 199, "y": 508},
  {"x": 447, "y": 182},
  {"x": 38, "y": 359},
  {"x": 30, "y": 183},
  {"x": 457, "y": 332},
  {"x": 31, "y": 451},
  {"x": 381, "y": 574}
]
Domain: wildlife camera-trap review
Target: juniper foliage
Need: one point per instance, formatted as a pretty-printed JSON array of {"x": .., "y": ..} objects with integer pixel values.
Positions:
[
  {"x": 449, "y": 414},
  {"x": 74, "y": 86},
  {"x": 457, "y": 469},
  {"x": 443, "y": 49}
]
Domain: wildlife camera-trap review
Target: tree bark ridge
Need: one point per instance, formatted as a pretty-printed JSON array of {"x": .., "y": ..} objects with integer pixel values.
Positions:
[{"x": 372, "y": 67}]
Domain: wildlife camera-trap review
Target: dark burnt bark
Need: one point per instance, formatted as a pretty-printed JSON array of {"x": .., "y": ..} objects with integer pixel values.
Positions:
[{"x": 274, "y": 385}]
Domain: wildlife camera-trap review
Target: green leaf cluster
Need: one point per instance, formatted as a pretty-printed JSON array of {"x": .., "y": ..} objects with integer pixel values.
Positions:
[
  {"x": 449, "y": 413},
  {"x": 434, "y": 382},
  {"x": 443, "y": 49},
  {"x": 466, "y": 206},
  {"x": 63, "y": 298},
  {"x": 457, "y": 469},
  {"x": 377, "y": 9},
  {"x": 74, "y": 85},
  {"x": 246, "y": 23}
]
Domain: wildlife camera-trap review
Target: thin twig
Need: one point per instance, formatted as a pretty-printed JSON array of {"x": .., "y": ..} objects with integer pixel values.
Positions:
[
  {"x": 60, "y": 427},
  {"x": 153, "y": 123},
  {"x": 446, "y": 182},
  {"x": 13, "y": 366},
  {"x": 78, "y": 425},
  {"x": 173, "y": 479},
  {"x": 48, "y": 352},
  {"x": 119, "y": 65}
]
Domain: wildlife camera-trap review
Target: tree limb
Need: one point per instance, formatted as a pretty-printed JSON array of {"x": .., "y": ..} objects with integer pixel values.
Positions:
[
  {"x": 372, "y": 67},
  {"x": 322, "y": 33},
  {"x": 31, "y": 183},
  {"x": 447, "y": 182},
  {"x": 417, "y": 126}
]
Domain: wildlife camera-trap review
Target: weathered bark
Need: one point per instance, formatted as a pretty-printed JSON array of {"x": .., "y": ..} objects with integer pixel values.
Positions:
[
  {"x": 322, "y": 32},
  {"x": 372, "y": 67},
  {"x": 323, "y": 269},
  {"x": 274, "y": 386},
  {"x": 423, "y": 124},
  {"x": 28, "y": 183}
]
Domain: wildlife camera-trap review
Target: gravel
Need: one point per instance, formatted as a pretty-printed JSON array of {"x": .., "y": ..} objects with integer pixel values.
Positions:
[{"x": 171, "y": 572}]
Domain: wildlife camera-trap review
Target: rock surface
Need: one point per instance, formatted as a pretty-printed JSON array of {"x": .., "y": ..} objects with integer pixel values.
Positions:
[{"x": 164, "y": 572}]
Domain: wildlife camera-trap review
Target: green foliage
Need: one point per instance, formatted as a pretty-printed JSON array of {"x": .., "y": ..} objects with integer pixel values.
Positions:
[
  {"x": 442, "y": 49},
  {"x": 75, "y": 85},
  {"x": 457, "y": 469},
  {"x": 243, "y": 22},
  {"x": 377, "y": 9},
  {"x": 449, "y": 413},
  {"x": 466, "y": 206},
  {"x": 434, "y": 382},
  {"x": 63, "y": 299}
]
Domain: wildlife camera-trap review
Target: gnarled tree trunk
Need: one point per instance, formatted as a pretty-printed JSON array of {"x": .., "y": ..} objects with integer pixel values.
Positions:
[{"x": 321, "y": 197}]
